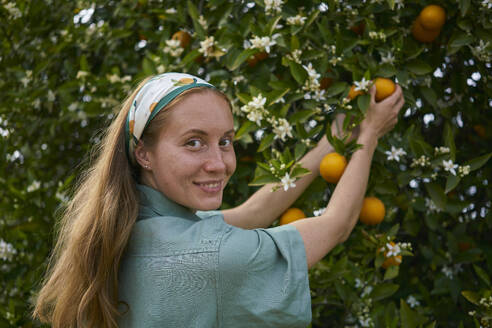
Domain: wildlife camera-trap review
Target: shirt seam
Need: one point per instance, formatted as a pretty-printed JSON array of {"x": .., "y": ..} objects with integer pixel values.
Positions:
[{"x": 220, "y": 313}]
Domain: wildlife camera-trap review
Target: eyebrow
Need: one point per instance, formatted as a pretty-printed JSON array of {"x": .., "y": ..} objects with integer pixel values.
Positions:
[{"x": 201, "y": 132}]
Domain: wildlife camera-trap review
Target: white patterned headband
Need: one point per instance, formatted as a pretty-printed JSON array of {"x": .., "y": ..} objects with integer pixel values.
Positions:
[{"x": 150, "y": 99}]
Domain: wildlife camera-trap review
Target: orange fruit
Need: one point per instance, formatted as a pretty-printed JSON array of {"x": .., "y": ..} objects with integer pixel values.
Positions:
[
  {"x": 432, "y": 17},
  {"x": 359, "y": 28},
  {"x": 354, "y": 93},
  {"x": 332, "y": 167},
  {"x": 183, "y": 37},
  {"x": 372, "y": 211},
  {"x": 291, "y": 215},
  {"x": 253, "y": 60},
  {"x": 384, "y": 88},
  {"x": 392, "y": 260},
  {"x": 325, "y": 83},
  {"x": 480, "y": 130},
  {"x": 421, "y": 34}
]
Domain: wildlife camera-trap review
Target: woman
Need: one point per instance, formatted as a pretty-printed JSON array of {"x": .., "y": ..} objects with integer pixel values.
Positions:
[{"x": 139, "y": 244}]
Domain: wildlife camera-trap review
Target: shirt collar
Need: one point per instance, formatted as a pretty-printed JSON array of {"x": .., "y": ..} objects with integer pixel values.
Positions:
[{"x": 153, "y": 203}]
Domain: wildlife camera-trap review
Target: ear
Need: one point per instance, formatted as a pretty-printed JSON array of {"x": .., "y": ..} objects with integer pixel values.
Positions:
[{"x": 142, "y": 155}]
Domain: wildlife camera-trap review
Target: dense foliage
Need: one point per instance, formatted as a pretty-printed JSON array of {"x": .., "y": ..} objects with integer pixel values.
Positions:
[{"x": 287, "y": 67}]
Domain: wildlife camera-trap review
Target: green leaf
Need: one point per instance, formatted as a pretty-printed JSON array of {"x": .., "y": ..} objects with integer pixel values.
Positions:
[
  {"x": 464, "y": 5},
  {"x": 275, "y": 95},
  {"x": 383, "y": 291},
  {"x": 299, "y": 171},
  {"x": 299, "y": 150},
  {"x": 298, "y": 72},
  {"x": 451, "y": 183},
  {"x": 429, "y": 95},
  {"x": 448, "y": 136},
  {"x": 409, "y": 318},
  {"x": 391, "y": 272},
  {"x": 478, "y": 162},
  {"x": 272, "y": 24},
  {"x": 148, "y": 67},
  {"x": 266, "y": 142},
  {"x": 482, "y": 274},
  {"x": 190, "y": 57},
  {"x": 294, "y": 43},
  {"x": 247, "y": 127},
  {"x": 300, "y": 116},
  {"x": 335, "y": 89},
  {"x": 437, "y": 194},
  {"x": 418, "y": 67},
  {"x": 263, "y": 180},
  {"x": 391, "y": 4},
  {"x": 471, "y": 296},
  {"x": 363, "y": 102},
  {"x": 241, "y": 58}
]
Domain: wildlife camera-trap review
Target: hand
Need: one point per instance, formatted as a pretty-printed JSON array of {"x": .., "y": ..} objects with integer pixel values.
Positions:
[
  {"x": 337, "y": 129},
  {"x": 382, "y": 117}
]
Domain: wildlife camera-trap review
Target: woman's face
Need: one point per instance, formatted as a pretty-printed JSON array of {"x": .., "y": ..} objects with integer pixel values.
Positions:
[{"x": 194, "y": 156}]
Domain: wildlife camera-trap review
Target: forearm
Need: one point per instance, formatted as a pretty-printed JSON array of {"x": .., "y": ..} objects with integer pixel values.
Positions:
[
  {"x": 264, "y": 206},
  {"x": 323, "y": 233}
]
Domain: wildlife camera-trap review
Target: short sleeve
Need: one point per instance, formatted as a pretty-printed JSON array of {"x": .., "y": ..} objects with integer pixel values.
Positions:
[{"x": 263, "y": 278}]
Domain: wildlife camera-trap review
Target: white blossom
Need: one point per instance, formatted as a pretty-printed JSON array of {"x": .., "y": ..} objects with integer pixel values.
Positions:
[
  {"x": 441, "y": 150},
  {"x": 287, "y": 182},
  {"x": 448, "y": 272},
  {"x": 273, "y": 6},
  {"x": 393, "y": 250},
  {"x": 296, "y": 20},
  {"x": 395, "y": 153},
  {"x": 388, "y": 59},
  {"x": 73, "y": 106},
  {"x": 450, "y": 166},
  {"x": 486, "y": 4},
  {"x": 431, "y": 206},
  {"x": 295, "y": 56},
  {"x": 367, "y": 290},
  {"x": 412, "y": 301},
  {"x": 263, "y": 43},
  {"x": 173, "y": 47},
  {"x": 311, "y": 71},
  {"x": 282, "y": 129},
  {"x": 51, "y": 95},
  {"x": 399, "y": 4},
  {"x": 7, "y": 251},
  {"x": 207, "y": 46},
  {"x": 82, "y": 74},
  {"x": 258, "y": 102},
  {"x": 358, "y": 283},
  {"x": 203, "y": 22},
  {"x": 13, "y": 10},
  {"x": 362, "y": 85},
  {"x": 464, "y": 170},
  {"x": 171, "y": 11},
  {"x": 35, "y": 185}
]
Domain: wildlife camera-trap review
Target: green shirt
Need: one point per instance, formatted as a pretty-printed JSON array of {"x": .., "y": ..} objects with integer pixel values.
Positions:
[{"x": 184, "y": 269}]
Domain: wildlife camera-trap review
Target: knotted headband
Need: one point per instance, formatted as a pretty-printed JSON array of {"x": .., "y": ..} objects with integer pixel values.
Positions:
[{"x": 150, "y": 99}]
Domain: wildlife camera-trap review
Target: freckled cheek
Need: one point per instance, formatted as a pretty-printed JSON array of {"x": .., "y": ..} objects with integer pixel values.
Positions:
[{"x": 231, "y": 163}]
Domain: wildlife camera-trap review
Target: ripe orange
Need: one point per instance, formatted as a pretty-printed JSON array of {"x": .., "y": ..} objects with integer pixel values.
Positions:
[
  {"x": 332, "y": 166},
  {"x": 372, "y": 211},
  {"x": 480, "y": 130},
  {"x": 259, "y": 56},
  {"x": 183, "y": 37},
  {"x": 359, "y": 28},
  {"x": 291, "y": 215},
  {"x": 421, "y": 34},
  {"x": 432, "y": 17},
  {"x": 354, "y": 93},
  {"x": 392, "y": 260},
  {"x": 384, "y": 88}
]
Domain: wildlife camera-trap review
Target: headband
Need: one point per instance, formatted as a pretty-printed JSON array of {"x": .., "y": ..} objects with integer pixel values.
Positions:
[{"x": 150, "y": 99}]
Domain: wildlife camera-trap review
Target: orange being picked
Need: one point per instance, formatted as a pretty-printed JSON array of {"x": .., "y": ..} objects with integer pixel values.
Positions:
[
  {"x": 354, "y": 93},
  {"x": 183, "y": 37},
  {"x": 384, "y": 88},
  {"x": 291, "y": 215},
  {"x": 332, "y": 167},
  {"x": 421, "y": 34},
  {"x": 392, "y": 260},
  {"x": 432, "y": 17},
  {"x": 372, "y": 211}
]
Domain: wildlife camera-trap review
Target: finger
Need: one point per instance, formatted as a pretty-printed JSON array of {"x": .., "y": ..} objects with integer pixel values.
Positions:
[
  {"x": 372, "y": 92},
  {"x": 397, "y": 95},
  {"x": 399, "y": 104}
]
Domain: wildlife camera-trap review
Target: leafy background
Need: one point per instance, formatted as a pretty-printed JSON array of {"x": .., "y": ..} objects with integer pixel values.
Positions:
[{"x": 65, "y": 65}]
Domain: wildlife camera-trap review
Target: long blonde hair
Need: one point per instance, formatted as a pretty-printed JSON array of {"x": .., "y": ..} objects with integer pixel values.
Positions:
[{"x": 80, "y": 288}]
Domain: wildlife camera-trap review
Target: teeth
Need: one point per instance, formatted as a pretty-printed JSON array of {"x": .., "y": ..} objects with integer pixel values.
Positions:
[{"x": 211, "y": 185}]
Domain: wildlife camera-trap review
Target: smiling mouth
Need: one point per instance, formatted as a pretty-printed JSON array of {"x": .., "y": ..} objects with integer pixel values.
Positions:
[{"x": 210, "y": 186}]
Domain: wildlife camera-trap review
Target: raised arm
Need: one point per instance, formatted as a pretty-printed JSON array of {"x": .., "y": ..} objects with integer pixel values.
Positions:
[
  {"x": 264, "y": 206},
  {"x": 323, "y": 233}
]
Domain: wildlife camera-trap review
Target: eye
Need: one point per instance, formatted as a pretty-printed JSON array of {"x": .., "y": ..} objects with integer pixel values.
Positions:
[
  {"x": 226, "y": 142},
  {"x": 194, "y": 144}
]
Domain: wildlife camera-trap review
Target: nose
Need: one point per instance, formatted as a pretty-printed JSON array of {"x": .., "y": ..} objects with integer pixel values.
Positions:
[{"x": 215, "y": 161}]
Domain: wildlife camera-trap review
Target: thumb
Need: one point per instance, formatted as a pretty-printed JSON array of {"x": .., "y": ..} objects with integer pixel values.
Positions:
[{"x": 372, "y": 92}]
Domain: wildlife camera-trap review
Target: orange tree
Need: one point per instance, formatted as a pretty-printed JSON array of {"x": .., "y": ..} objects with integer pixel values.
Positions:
[{"x": 288, "y": 67}]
